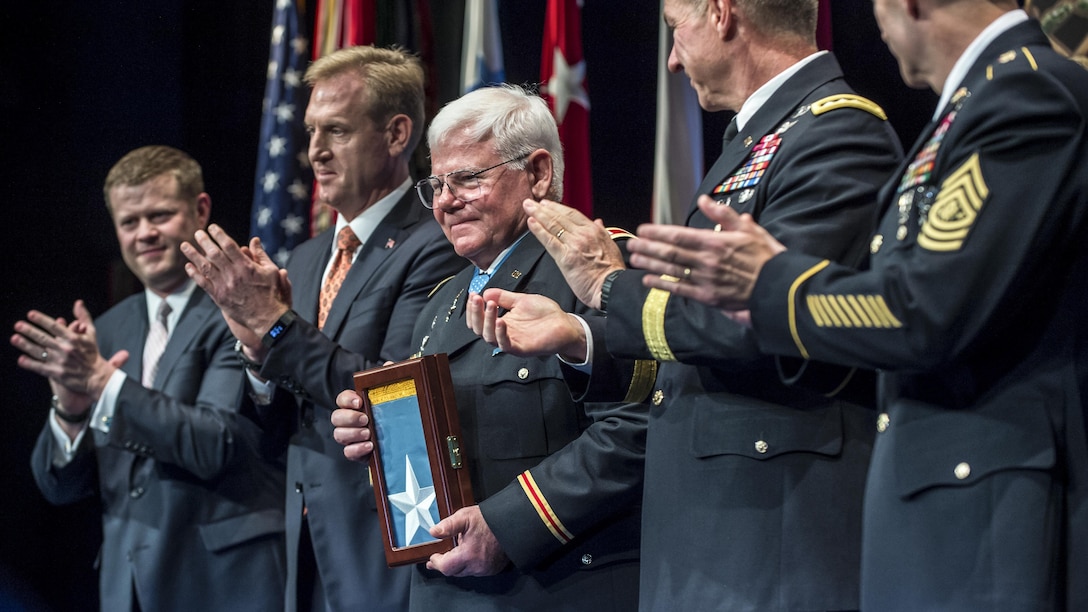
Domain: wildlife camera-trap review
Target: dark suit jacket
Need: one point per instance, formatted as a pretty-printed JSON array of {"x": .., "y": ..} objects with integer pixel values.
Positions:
[
  {"x": 370, "y": 322},
  {"x": 977, "y": 493},
  {"x": 191, "y": 490},
  {"x": 754, "y": 488},
  {"x": 524, "y": 439}
]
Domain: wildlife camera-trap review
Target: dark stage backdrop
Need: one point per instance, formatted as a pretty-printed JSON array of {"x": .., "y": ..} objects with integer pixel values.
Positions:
[{"x": 82, "y": 83}]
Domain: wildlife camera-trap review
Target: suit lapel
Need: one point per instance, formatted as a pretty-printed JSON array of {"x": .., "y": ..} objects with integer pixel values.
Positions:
[
  {"x": 193, "y": 318},
  {"x": 137, "y": 314},
  {"x": 308, "y": 274},
  {"x": 389, "y": 234}
]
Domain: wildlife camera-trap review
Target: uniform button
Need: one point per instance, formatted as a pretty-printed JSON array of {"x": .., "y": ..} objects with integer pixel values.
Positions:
[
  {"x": 587, "y": 559},
  {"x": 136, "y": 493},
  {"x": 876, "y": 243},
  {"x": 523, "y": 373},
  {"x": 298, "y": 487},
  {"x": 882, "y": 422},
  {"x": 128, "y": 444},
  {"x": 962, "y": 471},
  {"x": 659, "y": 396},
  {"x": 761, "y": 447}
]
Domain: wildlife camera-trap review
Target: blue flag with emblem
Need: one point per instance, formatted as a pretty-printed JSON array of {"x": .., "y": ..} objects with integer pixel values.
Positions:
[
  {"x": 481, "y": 50},
  {"x": 406, "y": 468},
  {"x": 281, "y": 196}
]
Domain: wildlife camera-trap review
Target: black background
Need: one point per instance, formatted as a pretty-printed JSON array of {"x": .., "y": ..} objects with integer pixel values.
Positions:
[{"x": 82, "y": 83}]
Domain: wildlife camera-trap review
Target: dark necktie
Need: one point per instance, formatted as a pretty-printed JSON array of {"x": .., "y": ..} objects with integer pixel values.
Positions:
[{"x": 730, "y": 133}]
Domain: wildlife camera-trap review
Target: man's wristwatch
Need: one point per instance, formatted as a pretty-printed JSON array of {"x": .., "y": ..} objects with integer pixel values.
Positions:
[
  {"x": 246, "y": 361},
  {"x": 74, "y": 419},
  {"x": 278, "y": 328},
  {"x": 606, "y": 288}
]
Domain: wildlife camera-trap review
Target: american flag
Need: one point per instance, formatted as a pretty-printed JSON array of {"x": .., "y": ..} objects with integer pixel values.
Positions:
[{"x": 281, "y": 200}]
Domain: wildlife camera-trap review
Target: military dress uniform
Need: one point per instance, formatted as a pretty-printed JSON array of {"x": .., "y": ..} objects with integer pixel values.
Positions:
[
  {"x": 753, "y": 488},
  {"x": 558, "y": 481},
  {"x": 973, "y": 306}
]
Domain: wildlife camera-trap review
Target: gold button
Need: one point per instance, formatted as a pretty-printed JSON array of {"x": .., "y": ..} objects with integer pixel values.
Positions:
[
  {"x": 659, "y": 396},
  {"x": 963, "y": 471},
  {"x": 882, "y": 422},
  {"x": 523, "y": 373},
  {"x": 876, "y": 243},
  {"x": 761, "y": 447}
]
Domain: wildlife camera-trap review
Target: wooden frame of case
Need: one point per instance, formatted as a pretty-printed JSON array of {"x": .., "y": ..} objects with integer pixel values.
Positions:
[{"x": 430, "y": 375}]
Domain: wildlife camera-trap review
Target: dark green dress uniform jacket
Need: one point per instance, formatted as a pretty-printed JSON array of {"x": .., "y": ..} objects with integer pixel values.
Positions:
[
  {"x": 558, "y": 481},
  {"x": 753, "y": 488},
  {"x": 974, "y": 307}
]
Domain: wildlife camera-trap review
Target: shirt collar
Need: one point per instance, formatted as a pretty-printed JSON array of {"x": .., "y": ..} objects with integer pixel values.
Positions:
[
  {"x": 177, "y": 301},
  {"x": 756, "y": 101},
  {"x": 367, "y": 221},
  {"x": 973, "y": 52}
]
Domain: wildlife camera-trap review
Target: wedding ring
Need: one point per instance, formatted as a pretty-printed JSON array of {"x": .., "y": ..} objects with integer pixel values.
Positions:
[
  {"x": 45, "y": 355},
  {"x": 687, "y": 273},
  {"x": 559, "y": 234}
]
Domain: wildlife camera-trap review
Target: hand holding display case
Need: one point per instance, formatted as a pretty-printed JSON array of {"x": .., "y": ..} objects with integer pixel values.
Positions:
[{"x": 417, "y": 468}]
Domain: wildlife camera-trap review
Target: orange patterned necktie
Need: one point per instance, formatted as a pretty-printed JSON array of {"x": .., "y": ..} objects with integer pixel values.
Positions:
[{"x": 346, "y": 243}]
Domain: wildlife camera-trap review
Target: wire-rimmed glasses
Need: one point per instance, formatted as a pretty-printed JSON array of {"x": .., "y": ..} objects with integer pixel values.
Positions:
[{"x": 463, "y": 184}]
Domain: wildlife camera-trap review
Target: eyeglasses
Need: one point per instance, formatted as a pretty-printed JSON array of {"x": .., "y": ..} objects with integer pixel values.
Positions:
[{"x": 463, "y": 184}]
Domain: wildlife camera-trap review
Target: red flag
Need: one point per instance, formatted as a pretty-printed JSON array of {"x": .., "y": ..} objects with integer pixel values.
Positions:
[
  {"x": 823, "y": 26},
  {"x": 563, "y": 73}
]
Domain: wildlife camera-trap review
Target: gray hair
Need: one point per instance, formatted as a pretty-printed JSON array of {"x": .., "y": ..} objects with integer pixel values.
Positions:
[
  {"x": 792, "y": 17},
  {"x": 517, "y": 120}
]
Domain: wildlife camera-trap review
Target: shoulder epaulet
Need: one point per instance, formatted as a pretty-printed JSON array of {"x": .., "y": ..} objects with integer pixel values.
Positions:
[
  {"x": 618, "y": 233},
  {"x": 837, "y": 101},
  {"x": 1011, "y": 56},
  {"x": 439, "y": 286}
]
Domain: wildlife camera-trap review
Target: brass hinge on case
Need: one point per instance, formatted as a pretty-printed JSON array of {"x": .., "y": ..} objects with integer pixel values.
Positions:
[{"x": 455, "y": 451}]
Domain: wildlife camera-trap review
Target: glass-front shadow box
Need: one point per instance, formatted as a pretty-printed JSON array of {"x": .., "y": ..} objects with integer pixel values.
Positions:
[{"x": 417, "y": 468}]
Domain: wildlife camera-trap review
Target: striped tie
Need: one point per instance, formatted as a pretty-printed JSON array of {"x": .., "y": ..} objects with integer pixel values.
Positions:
[{"x": 156, "y": 343}]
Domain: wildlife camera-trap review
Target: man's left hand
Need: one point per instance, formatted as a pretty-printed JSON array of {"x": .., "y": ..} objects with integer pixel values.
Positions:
[
  {"x": 477, "y": 553},
  {"x": 583, "y": 249},
  {"x": 718, "y": 267},
  {"x": 250, "y": 289}
]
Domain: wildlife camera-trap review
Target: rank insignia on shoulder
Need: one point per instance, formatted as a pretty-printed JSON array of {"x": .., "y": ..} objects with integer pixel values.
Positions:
[
  {"x": 1009, "y": 57},
  {"x": 838, "y": 101}
]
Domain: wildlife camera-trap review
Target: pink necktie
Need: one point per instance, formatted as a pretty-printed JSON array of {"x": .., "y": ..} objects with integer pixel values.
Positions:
[{"x": 155, "y": 344}]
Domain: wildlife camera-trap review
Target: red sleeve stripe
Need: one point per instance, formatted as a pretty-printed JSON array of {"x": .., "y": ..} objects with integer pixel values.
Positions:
[{"x": 547, "y": 515}]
